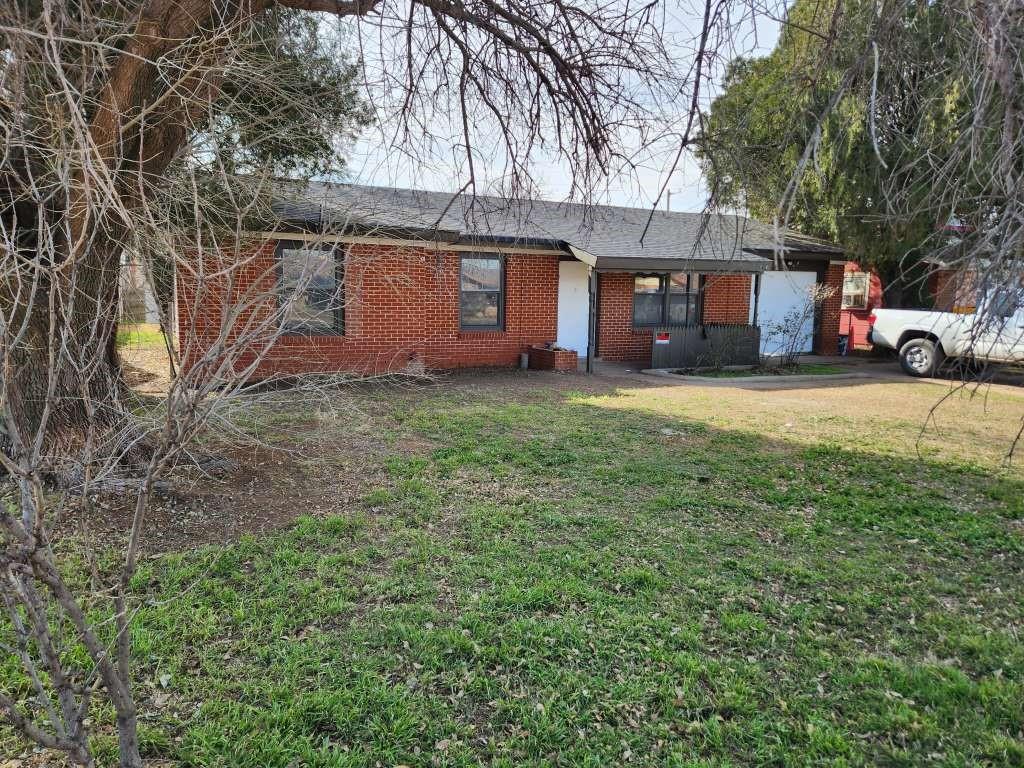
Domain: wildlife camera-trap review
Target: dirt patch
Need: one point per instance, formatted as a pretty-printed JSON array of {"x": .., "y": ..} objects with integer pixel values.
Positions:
[
  {"x": 533, "y": 386},
  {"x": 263, "y": 489},
  {"x": 146, "y": 368},
  {"x": 297, "y": 464},
  {"x": 414, "y": 445}
]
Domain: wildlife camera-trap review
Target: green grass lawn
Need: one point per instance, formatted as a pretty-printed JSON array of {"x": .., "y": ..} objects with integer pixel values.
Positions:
[
  {"x": 140, "y": 335},
  {"x": 652, "y": 577}
]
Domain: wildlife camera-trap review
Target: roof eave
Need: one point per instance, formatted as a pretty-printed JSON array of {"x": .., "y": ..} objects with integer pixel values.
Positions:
[
  {"x": 581, "y": 255},
  {"x": 513, "y": 241},
  {"x": 706, "y": 266},
  {"x": 801, "y": 252}
]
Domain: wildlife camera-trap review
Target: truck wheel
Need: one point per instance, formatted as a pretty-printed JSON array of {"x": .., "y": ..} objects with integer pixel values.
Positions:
[{"x": 921, "y": 357}]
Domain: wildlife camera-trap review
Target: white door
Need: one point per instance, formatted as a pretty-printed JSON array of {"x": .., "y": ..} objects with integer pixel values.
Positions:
[
  {"x": 785, "y": 311},
  {"x": 573, "y": 306}
]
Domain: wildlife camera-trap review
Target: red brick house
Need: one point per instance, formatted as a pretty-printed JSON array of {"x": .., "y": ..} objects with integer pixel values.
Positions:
[
  {"x": 378, "y": 279},
  {"x": 952, "y": 289},
  {"x": 953, "y": 284}
]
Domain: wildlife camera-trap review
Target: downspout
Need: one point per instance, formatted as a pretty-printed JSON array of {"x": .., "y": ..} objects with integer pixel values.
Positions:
[
  {"x": 591, "y": 261},
  {"x": 757, "y": 296},
  {"x": 591, "y": 317},
  {"x": 753, "y": 321}
]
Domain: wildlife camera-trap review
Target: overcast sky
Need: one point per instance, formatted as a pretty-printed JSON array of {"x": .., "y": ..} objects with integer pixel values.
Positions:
[{"x": 371, "y": 163}]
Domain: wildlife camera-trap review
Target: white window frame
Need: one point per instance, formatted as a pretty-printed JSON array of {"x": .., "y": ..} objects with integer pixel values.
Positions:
[{"x": 866, "y": 277}]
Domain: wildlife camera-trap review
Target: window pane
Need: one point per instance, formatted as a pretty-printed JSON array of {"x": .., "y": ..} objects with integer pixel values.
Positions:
[
  {"x": 682, "y": 309},
  {"x": 481, "y": 274},
  {"x": 853, "y": 301},
  {"x": 683, "y": 282},
  {"x": 647, "y": 284},
  {"x": 309, "y": 281},
  {"x": 481, "y": 308},
  {"x": 480, "y": 287},
  {"x": 647, "y": 308},
  {"x": 855, "y": 290}
]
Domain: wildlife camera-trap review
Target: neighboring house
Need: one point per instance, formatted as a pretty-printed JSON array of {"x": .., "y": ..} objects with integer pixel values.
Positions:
[
  {"x": 397, "y": 278},
  {"x": 956, "y": 288},
  {"x": 862, "y": 292},
  {"x": 952, "y": 289},
  {"x": 138, "y": 304}
]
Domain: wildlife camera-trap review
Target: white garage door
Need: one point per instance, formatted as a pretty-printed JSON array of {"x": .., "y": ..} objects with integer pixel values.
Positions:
[{"x": 782, "y": 294}]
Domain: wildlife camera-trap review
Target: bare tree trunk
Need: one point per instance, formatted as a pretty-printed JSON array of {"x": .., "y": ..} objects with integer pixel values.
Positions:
[
  {"x": 64, "y": 386},
  {"x": 128, "y": 739},
  {"x": 64, "y": 380}
]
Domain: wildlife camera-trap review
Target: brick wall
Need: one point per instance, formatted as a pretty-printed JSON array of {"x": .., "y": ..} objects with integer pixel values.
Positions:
[
  {"x": 938, "y": 287},
  {"x": 726, "y": 300},
  {"x": 828, "y": 329},
  {"x": 952, "y": 290},
  {"x": 617, "y": 340},
  {"x": 544, "y": 359},
  {"x": 401, "y": 308}
]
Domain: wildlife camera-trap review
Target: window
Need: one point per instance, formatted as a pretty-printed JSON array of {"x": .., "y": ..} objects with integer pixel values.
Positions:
[
  {"x": 481, "y": 292},
  {"x": 1004, "y": 303},
  {"x": 649, "y": 300},
  {"x": 855, "y": 290},
  {"x": 672, "y": 299},
  {"x": 311, "y": 288},
  {"x": 683, "y": 292}
]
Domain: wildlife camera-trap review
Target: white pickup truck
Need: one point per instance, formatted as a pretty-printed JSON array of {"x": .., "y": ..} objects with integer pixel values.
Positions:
[{"x": 994, "y": 333}]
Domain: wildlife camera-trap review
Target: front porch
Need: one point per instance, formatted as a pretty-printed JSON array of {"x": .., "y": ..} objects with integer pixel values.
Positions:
[
  {"x": 688, "y": 312},
  {"x": 669, "y": 314}
]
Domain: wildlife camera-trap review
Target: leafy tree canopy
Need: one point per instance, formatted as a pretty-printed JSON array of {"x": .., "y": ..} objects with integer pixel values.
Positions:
[
  {"x": 868, "y": 180},
  {"x": 287, "y": 91},
  {"x": 306, "y": 134}
]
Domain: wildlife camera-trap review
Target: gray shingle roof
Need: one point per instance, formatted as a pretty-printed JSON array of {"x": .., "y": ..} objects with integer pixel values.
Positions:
[{"x": 611, "y": 235}]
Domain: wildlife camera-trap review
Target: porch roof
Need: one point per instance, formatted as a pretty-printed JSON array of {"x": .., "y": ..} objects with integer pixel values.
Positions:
[{"x": 607, "y": 237}]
